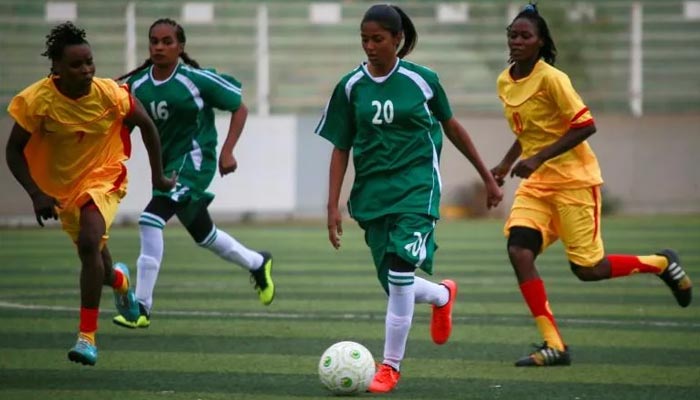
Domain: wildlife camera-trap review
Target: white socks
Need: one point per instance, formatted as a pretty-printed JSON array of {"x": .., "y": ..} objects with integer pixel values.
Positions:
[
  {"x": 399, "y": 315},
  {"x": 228, "y": 248},
  {"x": 431, "y": 293},
  {"x": 148, "y": 263}
]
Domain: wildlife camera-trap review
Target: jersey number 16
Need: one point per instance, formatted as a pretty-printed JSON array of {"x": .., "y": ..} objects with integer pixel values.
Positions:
[{"x": 159, "y": 111}]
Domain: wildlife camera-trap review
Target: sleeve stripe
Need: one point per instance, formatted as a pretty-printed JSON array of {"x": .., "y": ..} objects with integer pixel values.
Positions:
[
  {"x": 322, "y": 122},
  {"x": 216, "y": 78},
  {"x": 580, "y": 113},
  {"x": 351, "y": 82},
  {"x": 419, "y": 81},
  {"x": 582, "y": 124}
]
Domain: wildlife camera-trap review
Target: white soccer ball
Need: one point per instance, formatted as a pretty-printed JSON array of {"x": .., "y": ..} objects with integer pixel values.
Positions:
[{"x": 346, "y": 368}]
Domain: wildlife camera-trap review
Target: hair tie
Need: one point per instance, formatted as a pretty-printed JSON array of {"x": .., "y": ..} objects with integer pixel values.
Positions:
[{"x": 530, "y": 8}]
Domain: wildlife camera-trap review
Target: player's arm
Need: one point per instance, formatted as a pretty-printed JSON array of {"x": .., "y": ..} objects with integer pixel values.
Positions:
[
  {"x": 500, "y": 171},
  {"x": 149, "y": 135},
  {"x": 44, "y": 205},
  {"x": 338, "y": 166},
  {"x": 571, "y": 139},
  {"x": 227, "y": 161},
  {"x": 460, "y": 138}
]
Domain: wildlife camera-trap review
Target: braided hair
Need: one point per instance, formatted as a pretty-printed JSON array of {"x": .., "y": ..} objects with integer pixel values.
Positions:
[
  {"x": 61, "y": 36},
  {"x": 394, "y": 20},
  {"x": 181, "y": 38},
  {"x": 548, "y": 52}
]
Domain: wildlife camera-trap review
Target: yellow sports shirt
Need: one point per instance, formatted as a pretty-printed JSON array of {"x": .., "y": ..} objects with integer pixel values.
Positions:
[
  {"x": 75, "y": 144},
  {"x": 540, "y": 109}
]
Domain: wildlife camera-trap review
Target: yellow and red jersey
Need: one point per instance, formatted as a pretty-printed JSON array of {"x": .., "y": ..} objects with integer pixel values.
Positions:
[
  {"x": 540, "y": 109},
  {"x": 75, "y": 144}
]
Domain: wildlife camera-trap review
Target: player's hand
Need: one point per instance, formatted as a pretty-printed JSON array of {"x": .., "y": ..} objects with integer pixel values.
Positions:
[
  {"x": 227, "y": 163},
  {"x": 494, "y": 194},
  {"x": 525, "y": 168},
  {"x": 165, "y": 184},
  {"x": 335, "y": 227},
  {"x": 499, "y": 173},
  {"x": 44, "y": 207}
]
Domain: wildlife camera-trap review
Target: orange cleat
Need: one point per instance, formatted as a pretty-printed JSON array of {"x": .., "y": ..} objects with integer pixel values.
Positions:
[
  {"x": 441, "y": 322},
  {"x": 385, "y": 379}
]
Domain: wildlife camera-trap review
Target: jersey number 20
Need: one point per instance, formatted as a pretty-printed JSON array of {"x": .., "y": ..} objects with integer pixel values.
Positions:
[{"x": 384, "y": 113}]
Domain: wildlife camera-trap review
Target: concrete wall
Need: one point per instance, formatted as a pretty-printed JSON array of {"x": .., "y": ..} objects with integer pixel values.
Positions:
[{"x": 649, "y": 166}]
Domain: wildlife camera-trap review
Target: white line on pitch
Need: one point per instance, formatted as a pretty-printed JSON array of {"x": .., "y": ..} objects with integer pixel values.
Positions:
[{"x": 357, "y": 316}]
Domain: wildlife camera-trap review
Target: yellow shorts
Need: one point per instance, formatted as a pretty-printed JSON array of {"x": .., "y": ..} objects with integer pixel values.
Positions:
[
  {"x": 107, "y": 201},
  {"x": 570, "y": 215}
]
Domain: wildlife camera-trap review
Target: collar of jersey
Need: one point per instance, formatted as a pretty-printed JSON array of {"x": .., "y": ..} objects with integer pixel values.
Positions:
[
  {"x": 156, "y": 82},
  {"x": 380, "y": 79}
]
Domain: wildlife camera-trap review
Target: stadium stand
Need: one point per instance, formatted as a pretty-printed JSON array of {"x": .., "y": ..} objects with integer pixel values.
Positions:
[{"x": 307, "y": 59}]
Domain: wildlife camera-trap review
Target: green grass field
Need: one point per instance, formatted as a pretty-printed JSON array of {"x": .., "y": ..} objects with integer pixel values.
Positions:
[{"x": 211, "y": 339}]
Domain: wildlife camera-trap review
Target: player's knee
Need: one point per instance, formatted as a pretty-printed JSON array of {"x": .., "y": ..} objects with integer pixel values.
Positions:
[
  {"x": 89, "y": 244},
  {"x": 586, "y": 274},
  {"x": 200, "y": 231},
  {"x": 398, "y": 264},
  {"x": 523, "y": 242}
]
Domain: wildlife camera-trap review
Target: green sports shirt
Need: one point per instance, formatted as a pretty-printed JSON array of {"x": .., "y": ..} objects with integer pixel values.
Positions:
[
  {"x": 392, "y": 125},
  {"x": 182, "y": 108}
]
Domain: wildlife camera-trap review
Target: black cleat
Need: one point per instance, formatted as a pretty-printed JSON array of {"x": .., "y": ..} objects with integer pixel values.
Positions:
[
  {"x": 545, "y": 356},
  {"x": 676, "y": 279},
  {"x": 262, "y": 279}
]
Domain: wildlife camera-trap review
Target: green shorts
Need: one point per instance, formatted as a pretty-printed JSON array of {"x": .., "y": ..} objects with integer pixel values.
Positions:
[
  {"x": 410, "y": 236},
  {"x": 190, "y": 200}
]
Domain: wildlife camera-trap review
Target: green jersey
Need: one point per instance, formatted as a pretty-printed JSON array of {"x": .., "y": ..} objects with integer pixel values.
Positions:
[
  {"x": 392, "y": 124},
  {"x": 182, "y": 108}
]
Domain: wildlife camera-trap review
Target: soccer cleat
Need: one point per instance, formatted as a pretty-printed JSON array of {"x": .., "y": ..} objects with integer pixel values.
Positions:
[
  {"x": 675, "y": 277},
  {"x": 262, "y": 278},
  {"x": 83, "y": 352},
  {"x": 545, "y": 356},
  {"x": 441, "y": 321},
  {"x": 142, "y": 321},
  {"x": 126, "y": 302},
  {"x": 384, "y": 380}
]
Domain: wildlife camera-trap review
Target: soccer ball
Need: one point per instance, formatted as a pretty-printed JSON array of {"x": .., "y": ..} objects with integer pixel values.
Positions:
[{"x": 346, "y": 368}]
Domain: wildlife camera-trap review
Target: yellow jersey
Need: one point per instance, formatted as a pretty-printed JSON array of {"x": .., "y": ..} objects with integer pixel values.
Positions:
[
  {"x": 75, "y": 144},
  {"x": 540, "y": 109}
]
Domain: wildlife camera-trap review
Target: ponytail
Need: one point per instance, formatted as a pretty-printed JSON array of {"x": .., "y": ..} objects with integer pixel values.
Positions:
[
  {"x": 410, "y": 36},
  {"x": 141, "y": 67}
]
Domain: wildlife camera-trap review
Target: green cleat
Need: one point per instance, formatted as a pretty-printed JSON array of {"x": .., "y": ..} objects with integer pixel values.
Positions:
[
  {"x": 545, "y": 356},
  {"x": 676, "y": 279},
  {"x": 83, "y": 352},
  {"x": 142, "y": 321},
  {"x": 262, "y": 277},
  {"x": 126, "y": 303}
]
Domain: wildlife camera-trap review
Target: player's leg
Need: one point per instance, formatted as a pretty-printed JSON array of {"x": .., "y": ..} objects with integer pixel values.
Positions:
[
  {"x": 587, "y": 256},
  {"x": 152, "y": 221},
  {"x": 441, "y": 296},
  {"x": 202, "y": 229},
  {"x": 407, "y": 243},
  {"x": 523, "y": 246},
  {"x": 530, "y": 230},
  {"x": 377, "y": 239},
  {"x": 118, "y": 278},
  {"x": 117, "y": 275},
  {"x": 89, "y": 242},
  {"x": 397, "y": 324}
]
